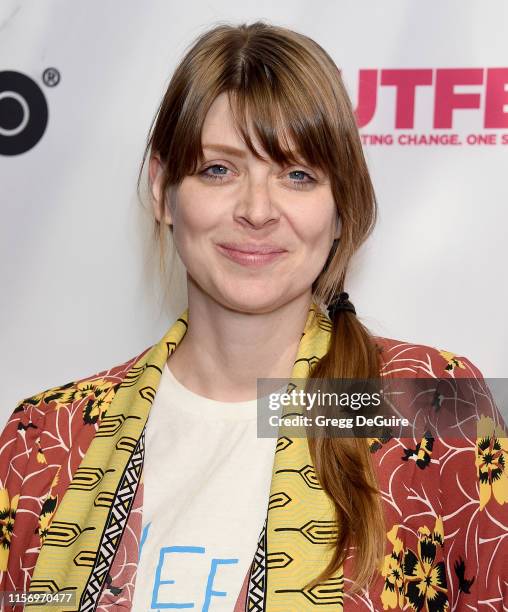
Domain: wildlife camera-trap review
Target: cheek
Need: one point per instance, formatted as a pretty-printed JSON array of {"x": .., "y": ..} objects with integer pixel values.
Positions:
[
  {"x": 197, "y": 216},
  {"x": 193, "y": 213},
  {"x": 315, "y": 233},
  {"x": 317, "y": 230}
]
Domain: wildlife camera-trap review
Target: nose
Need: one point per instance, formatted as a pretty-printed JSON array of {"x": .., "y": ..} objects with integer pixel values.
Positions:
[{"x": 256, "y": 206}]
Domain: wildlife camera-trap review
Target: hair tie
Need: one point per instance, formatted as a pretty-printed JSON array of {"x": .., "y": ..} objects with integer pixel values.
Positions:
[{"x": 340, "y": 303}]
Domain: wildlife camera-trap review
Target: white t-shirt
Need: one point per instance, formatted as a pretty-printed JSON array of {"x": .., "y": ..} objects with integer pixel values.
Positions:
[{"x": 206, "y": 486}]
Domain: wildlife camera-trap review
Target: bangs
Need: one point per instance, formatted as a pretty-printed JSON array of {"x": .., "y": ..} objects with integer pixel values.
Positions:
[
  {"x": 284, "y": 102},
  {"x": 289, "y": 123}
]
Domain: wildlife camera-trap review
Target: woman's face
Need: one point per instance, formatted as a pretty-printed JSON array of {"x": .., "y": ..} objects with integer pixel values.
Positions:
[{"x": 236, "y": 202}]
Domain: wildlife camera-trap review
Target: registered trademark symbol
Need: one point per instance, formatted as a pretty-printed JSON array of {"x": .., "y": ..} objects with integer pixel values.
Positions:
[{"x": 51, "y": 77}]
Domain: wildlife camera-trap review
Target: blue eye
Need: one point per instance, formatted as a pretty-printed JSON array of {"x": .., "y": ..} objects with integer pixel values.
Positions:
[
  {"x": 300, "y": 174},
  {"x": 216, "y": 171},
  {"x": 219, "y": 172},
  {"x": 301, "y": 179}
]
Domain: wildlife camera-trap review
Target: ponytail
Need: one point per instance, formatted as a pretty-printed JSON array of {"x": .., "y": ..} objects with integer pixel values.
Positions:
[{"x": 343, "y": 465}]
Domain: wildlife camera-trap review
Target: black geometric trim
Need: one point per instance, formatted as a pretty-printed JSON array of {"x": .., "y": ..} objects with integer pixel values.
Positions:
[{"x": 114, "y": 527}]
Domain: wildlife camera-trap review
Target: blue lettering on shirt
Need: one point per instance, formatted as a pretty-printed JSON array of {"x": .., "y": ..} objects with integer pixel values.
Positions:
[
  {"x": 164, "y": 553},
  {"x": 209, "y": 593}
]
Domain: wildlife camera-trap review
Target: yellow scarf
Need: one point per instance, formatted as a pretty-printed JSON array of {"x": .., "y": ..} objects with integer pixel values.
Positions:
[{"x": 88, "y": 524}]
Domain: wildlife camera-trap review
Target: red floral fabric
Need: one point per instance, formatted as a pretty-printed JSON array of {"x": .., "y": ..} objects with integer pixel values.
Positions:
[{"x": 445, "y": 501}]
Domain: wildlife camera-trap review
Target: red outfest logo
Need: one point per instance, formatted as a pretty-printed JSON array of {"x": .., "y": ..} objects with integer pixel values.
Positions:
[{"x": 482, "y": 93}]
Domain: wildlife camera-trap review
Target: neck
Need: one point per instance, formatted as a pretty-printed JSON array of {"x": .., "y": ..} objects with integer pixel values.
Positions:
[{"x": 225, "y": 351}]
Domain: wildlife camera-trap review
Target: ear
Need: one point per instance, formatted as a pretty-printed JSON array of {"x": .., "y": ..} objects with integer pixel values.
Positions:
[{"x": 160, "y": 206}]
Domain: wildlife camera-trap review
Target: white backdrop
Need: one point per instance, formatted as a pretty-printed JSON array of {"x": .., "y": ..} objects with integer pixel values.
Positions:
[{"x": 78, "y": 281}]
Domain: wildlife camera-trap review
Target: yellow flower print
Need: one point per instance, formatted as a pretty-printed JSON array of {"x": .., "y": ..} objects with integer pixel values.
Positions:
[
  {"x": 451, "y": 361},
  {"x": 56, "y": 479},
  {"x": 7, "y": 515},
  {"x": 491, "y": 461},
  {"x": 46, "y": 516},
  {"x": 98, "y": 395},
  {"x": 48, "y": 509},
  {"x": 376, "y": 443},
  {"x": 41, "y": 458},
  {"x": 59, "y": 395},
  {"x": 426, "y": 586},
  {"x": 422, "y": 451},
  {"x": 392, "y": 571}
]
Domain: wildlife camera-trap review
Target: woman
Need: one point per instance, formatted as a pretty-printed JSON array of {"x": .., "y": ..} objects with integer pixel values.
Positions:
[{"x": 153, "y": 467}]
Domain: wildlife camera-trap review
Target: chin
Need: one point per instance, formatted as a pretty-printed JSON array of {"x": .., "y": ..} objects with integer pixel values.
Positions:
[{"x": 254, "y": 302}]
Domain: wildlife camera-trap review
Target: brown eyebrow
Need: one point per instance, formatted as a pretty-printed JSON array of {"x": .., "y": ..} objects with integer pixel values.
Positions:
[{"x": 220, "y": 148}]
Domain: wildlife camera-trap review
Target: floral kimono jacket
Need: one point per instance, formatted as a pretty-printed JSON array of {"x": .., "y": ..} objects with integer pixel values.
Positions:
[{"x": 71, "y": 497}]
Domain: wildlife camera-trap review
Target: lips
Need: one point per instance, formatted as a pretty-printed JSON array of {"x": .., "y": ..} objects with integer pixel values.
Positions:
[
  {"x": 252, "y": 255},
  {"x": 253, "y": 249}
]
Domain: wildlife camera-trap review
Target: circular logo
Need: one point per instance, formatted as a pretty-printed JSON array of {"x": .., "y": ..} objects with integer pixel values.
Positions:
[
  {"x": 23, "y": 113},
  {"x": 51, "y": 77}
]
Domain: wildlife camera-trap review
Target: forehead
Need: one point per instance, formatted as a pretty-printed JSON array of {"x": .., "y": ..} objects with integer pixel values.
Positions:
[{"x": 219, "y": 118}]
